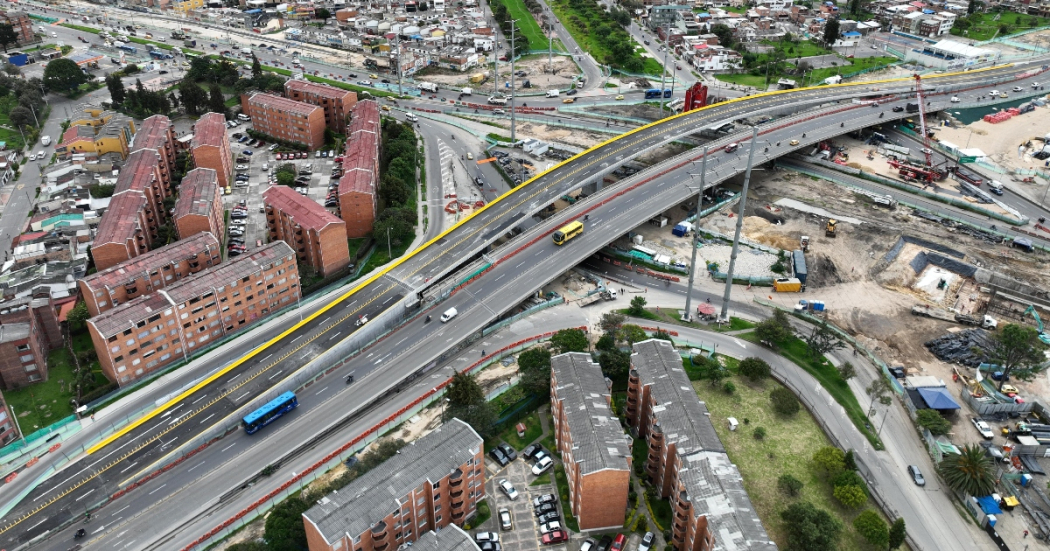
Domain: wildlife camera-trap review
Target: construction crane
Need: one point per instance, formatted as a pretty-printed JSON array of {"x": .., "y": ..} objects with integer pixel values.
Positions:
[
  {"x": 1039, "y": 323},
  {"x": 926, "y": 151}
]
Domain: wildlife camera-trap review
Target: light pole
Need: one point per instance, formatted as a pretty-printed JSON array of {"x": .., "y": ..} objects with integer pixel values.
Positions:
[
  {"x": 513, "y": 51},
  {"x": 663, "y": 74},
  {"x": 17, "y": 426},
  {"x": 739, "y": 227},
  {"x": 696, "y": 237}
]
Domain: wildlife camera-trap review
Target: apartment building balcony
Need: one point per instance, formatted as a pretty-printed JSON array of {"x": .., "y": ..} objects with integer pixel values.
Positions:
[
  {"x": 131, "y": 289},
  {"x": 683, "y": 501}
]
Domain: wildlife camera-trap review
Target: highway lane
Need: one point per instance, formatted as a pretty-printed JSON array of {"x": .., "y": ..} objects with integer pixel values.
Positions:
[{"x": 563, "y": 178}]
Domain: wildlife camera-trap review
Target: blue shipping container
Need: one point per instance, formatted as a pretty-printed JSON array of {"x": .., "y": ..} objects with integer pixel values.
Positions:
[{"x": 798, "y": 261}]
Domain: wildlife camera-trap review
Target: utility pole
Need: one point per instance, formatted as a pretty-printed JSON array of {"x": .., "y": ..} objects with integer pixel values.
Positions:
[
  {"x": 663, "y": 74},
  {"x": 400, "y": 91},
  {"x": 696, "y": 237},
  {"x": 513, "y": 140},
  {"x": 739, "y": 227},
  {"x": 550, "y": 49}
]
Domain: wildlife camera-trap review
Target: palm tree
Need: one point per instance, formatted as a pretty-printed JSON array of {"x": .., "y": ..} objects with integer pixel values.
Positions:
[{"x": 969, "y": 472}]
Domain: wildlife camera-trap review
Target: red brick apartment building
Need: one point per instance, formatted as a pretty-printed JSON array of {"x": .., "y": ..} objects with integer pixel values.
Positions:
[
  {"x": 317, "y": 236},
  {"x": 336, "y": 102},
  {"x": 150, "y": 332},
  {"x": 431, "y": 483},
  {"x": 129, "y": 225},
  {"x": 199, "y": 208},
  {"x": 29, "y": 329},
  {"x": 211, "y": 147},
  {"x": 285, "y": 119},
  {"x": 592, "y": 445},
  {"x": 156, "y": 134},
  {"x": 22, "y": 25},
  {"x": 686, "y": 460},
  {"x": 8, "y": 430},
  {"x": 102, "y": 291},
  {"x": 359, "y": 184},
  {"x": 450, "y": 538}
]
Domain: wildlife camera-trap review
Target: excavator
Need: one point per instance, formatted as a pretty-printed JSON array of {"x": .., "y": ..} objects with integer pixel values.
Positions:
[{"x": 1039, "y": 323}]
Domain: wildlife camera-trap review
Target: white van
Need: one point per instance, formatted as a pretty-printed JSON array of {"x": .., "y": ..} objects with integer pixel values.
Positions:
[
  {"x": 243, "y": 117},
  {"x": 552, "y": 93},
  {"x": 995, "y": 186},
  {"x": 410, "y": 117},
  {"x": 449, "y": 314},
  {"x": 46, "y": 140}
]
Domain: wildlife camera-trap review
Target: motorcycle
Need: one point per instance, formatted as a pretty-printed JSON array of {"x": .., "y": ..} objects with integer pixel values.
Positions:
[
  {"x": 427, "y": 320},
  {"x": 881, "y": 115},
  {"x": 349, "y": 379}
]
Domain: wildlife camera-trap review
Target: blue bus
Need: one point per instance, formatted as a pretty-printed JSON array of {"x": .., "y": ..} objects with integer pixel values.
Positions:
[
  {"x": 268, "y": 412},
  {"x": 654, "y": 93}
]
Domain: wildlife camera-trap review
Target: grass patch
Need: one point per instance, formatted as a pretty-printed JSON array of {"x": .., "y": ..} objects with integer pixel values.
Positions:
[
  {"x": 743, "y": 79},
  {"x": 312, "y": 78},
  {"x": 532, "y": 432},
  {"x": 585, "y": 22},
  {"x": 802, "y": 48},
  {"x": 497, "y": 137},
  {"x": 42, "y": 404},
  {"x": 848, "y": 66},
  {"x": 795, "y": 349},
  {"x": 661, "y": 510},
  {"x": 787, "y": 448},
  {"x": 355, "y": 245},
  {"x": 983, "y": 26},
  {"x": 563, "y": 495},
  {"x": 80, "y": 28},
  {"x": 484, "y": 513},
  {"x": 541, "y": 480},
  {"x": 527, "y": 25},
  {"x": 549, "y": 443}
]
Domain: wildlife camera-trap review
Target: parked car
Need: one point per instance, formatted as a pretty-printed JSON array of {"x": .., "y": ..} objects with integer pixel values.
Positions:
[
  {"x": 588, "y": 544},
  {"x": 604, "y": 543},
  {"x": 242, "y": 167},
  {"x": 898, "y": 109},
  {"x": 916, "y": 476},
  {"x": 490, "y": 546},
  {"x": 500, "y": 457},
  {"x": 548, "y": 517},
  {"x": 531, "y": 450},
  {"x": 486, "y": 536},
  {"x": 505, "y": 522},
  {"x": 546, "y": 508},
  {"x": 556, "y": 536},
  {"x": 982, "y": 428},
  {"x": 508, "y": 489},
  {"x": 544, "y": 498},
  {"x": 542, "y": 465},
  {"x": 247, "y": 152},
  {"x": 619, "y": 543},
  {"x": 647, "y": 542},
  {"x": 508, "y": 451},
  {"x": 550, "y": 527}
]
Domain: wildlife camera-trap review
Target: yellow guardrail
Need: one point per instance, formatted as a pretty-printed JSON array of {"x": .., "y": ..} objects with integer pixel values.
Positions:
[{"x": 108, "y": 440}]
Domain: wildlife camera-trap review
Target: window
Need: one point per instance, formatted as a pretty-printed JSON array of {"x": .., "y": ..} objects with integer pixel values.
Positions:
[
  {"x": 23, "y": 347},
  {"x": 29, "y": 368}
]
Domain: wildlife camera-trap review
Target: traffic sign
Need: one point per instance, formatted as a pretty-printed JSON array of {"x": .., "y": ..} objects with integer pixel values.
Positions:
[{"x": 964, "y": 160}]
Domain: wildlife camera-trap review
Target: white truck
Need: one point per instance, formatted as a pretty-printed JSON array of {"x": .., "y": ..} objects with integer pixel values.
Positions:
[
  {"x": 467, "y": 91},
  {"x": 552, "y": 93},
  {"x": 428, "y": 87},
  {"x": 497, "y": 100}
]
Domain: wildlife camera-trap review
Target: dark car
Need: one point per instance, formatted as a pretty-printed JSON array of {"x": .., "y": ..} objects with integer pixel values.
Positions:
[
  {"x": 898, "y": 109},
  {"x": 604, "y": 543},
  {"x": 385, "y": 81},
  {"x": 530, "y": 451},
  {"x": 352, "y": 75},
  {"x": 543, "y": 498},
  {"x": 508, "y": 451},
  {"x": 162, "y": 72},
  {"x": 548, "y": 517},
  {"x": 571, "y": 92},
  {"x": 546, "y": 508},
  {"x": 499, "y": 456}
]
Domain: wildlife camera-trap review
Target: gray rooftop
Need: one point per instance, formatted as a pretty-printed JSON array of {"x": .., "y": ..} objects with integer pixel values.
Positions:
[
  {"x": 450, "y": 538},
  {"x": 716, "y": 490},
  {"x": 10, "y": 332},
  {"x": 369, "y": 499},
  {"x": 599, "y": 442},
  {"x": 679, "y": 412}
]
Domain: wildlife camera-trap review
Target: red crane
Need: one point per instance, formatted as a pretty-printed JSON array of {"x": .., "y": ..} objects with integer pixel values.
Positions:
[{"x": 926, "y": 151}]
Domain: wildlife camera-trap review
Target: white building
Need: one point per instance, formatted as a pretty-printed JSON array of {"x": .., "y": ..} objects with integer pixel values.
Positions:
[{"x": 949, "y": 54}]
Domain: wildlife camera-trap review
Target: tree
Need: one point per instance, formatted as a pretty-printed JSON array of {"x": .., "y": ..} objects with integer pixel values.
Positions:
[
  {"x": 969, "y": 472},
  {"x": 322, "y": 14},
  {"x": 870, "y": 525},
  {"x": 193, "y": 97},
  {"x": 849, "y": 461},
  {"x": 774, "y": 330},
  {"x": 631, "y": 334},
  {"x": 63, "y": 75},
  {"x": 754, "y": 369},
  {"x": 759, "y": 433},
  {"x": 256, "y": 67},
  {"x": 611, "y": 321},
  {"x": 854, "y": 7},
  {"x": 569, "y": 340},
  {"x": 285, "y": 179},
  {"x": 216, "y": 101},
  {"x": 615, "y": 365},
  {"x": 810, "y": 528},
  {"x": 724, "y": 34},
  {"x": 1018, "y": 352},
  {"x": 784, "y": 401},
  {"x": 847, "y": 371},
  {"x": 897, "y": 534},
  {"x": 662, "y": 335},
  {"x": 972, "y": 7},
  {"x": 77, "y": 317},
  {"x": 605, "y": 342},
  {"x": 285, "y": 530},
  {"x": 715, "y": 372},
  {"x": 249, "y": 546},
  {"x": 466, "y": 402},
  {"x": 789, "y": 485},
  {"x": 534, "y": 365},
  {"x": 850, "y": 496},
  {"x": 830, "y": 460},
  {"x": 637, "y": 307},
  {"x": 21, "y": 116},
  {"x": 117, "y": 93},
  {"x": 822, "y": 340},
  {"x": 831, "y": 32},
  {"x": 464, "y": 390},
  {"x": 933, "y": 421},
  {"x": 174, "y": 100},
  {"x": 7, "y": 36},
  {"x": 12, "y": 69}
]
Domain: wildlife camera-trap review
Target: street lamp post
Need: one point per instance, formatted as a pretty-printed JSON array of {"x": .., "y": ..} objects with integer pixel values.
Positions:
[
  {"x": 696, "y": 237},
  {"x": 739, "y": 227}
]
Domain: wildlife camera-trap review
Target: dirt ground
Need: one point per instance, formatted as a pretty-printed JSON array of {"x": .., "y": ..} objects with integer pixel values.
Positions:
[{"x": 536, "y": 73}]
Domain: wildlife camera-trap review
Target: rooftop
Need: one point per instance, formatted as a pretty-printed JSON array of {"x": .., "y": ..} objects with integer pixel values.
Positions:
[
  {"x": 450, "y": 538},
  {"x": 282, "y": 104},
  {"x": 140, "y": 266},
  {"x": 598, "y": 441},
  {"x": 154, "y": 132},
  {"x": 119, "y": 318},
  {"x": 138, "y": 171},
  {"x": 210, "y": 130},
  {"x": 370, "y": 498},
  {"x": 302, "y": 210},
  {"x": 197, "y": 193},
  {"x": 121, "y": 219},
  {"x": 10, "y": 332},
  {"x": 79, "y": 132},
  {"x": 681, "y": 415},
  {"x": 716, "y": 490},
  {"x": 314, "y": 88}
]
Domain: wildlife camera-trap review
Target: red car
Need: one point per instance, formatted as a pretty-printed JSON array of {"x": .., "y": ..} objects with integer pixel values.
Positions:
[
  {"x": 557, "y": 536},
  {"x": 619, "y": 543}
]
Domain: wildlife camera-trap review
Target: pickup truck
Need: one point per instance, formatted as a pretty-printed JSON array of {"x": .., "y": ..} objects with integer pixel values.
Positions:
[{"x": 982, "y": 428}]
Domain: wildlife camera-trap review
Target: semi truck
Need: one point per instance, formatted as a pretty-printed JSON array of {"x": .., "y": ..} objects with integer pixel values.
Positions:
[
  {"x": 912, "y": 108},
  {"x": 986, "y": 321},
  {"x": 158, "y": 54},
  {"x": 428, "y": 87},
  {"x": 497, "y": 100}
]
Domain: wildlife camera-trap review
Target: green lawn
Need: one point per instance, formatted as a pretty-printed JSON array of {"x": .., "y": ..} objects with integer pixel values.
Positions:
[
  {"x": 983, "y": 26},
  {"x": 483, "y": 514},
  {"x": 42, "y": 404},
  {"x": 532, "y": 432},
  {"x": 796, "y": 350},
  {"x": 743, "y": 79},
  {"x": 527, "y": 25},
  {"x": 787, "y": 448},
  {"x": 848, "y": 66},
  {"x": 354, "y": 245},
  {"x": 584, "y": 20}
]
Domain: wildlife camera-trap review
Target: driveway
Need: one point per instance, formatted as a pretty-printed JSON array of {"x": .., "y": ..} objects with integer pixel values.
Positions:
[{"x": 526, "y": 533}]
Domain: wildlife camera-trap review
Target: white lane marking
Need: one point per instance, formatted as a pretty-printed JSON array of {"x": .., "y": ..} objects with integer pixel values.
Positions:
[
  {"x": 320, "y": 391},
  {"x": 206, "y": 418},
  {"x": 86, "y": 494},
  {"x": 158, "y": 489},
  {"x": 270, "y": 378},
  {"x": 128, "y": 468},
  {"x": 228, "y": 447},
  {"x": 242, "y": 396},
  {"x": 195, "y": 466}
]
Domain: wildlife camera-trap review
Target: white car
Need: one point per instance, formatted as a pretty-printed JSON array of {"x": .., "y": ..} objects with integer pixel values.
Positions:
[
  {"x": 242, "y": 167},
  {"x": 486, "y": 536},
  {"x": 505, "y": 522},
  {"x": 542, "y": 465},
  {"x": 983, "y": 428},
  {"x": 508, "y": 489},
  {"x": 955, "y": 99},
  {"x": 32, "y": 156},
  {"x": 550, "y": 527},
  {"x": 1018, "y": 89}
]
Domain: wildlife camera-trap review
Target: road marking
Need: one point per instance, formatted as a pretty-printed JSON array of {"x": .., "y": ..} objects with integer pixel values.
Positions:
[
  {"x": 86, "y": 494},
  {"x": 198, "y": 399},
  {"x": 158, "y": 489},
  {"x": 122, "y": 510},
  {"x": 35, "y": 525},
  {"x": 270, "y": 378},
  {"x": 228, "y": 447},
  {"x": 242, "y": 396},
  {"x": 320, "y": 391},
  {"x": 206, "y": 418},
  {"x": 335, "y": 335},
  {"x": 195, "y": 466},
  {"x": 500, "y": 277},
  {"x": 297, "y": 338},
  {"x": 266, "y": 358},
  {"x": 128, "y": 468}
]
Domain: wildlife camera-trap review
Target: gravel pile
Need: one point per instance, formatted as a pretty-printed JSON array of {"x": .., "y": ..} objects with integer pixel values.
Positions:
[{"x": 749, "y": 262}]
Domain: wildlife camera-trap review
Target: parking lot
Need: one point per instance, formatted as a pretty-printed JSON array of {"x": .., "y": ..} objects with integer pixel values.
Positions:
[
  {"x": 315, "y": 171},
  {"x": 525, "y": 535}
]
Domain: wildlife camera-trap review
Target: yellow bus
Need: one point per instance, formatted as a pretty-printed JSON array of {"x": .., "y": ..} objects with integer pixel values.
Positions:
[{"x": 567, "y": 232}]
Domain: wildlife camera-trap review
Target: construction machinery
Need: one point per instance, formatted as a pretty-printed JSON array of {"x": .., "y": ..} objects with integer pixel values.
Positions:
[
  {"x": 804, "y": 243},
  {"x": 927, "y": 172},
  {"x": 829, "y": 229},
  {"x": 1039, "y": 323}
]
